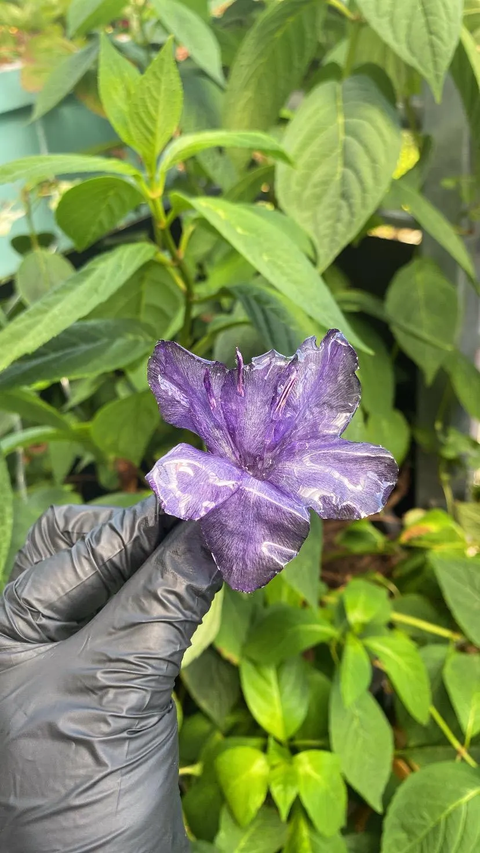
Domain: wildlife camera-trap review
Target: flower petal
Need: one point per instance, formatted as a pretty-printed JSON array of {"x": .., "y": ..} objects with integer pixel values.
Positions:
[
  {"x": 189, "y": 483},
  {"x": 254, "y": 533},
  {"x": 338, "y": 479},
  {"x": 320, "y": 392},
  {"x": 187, "y": 389},
  {"x": 246, "y": 399}
]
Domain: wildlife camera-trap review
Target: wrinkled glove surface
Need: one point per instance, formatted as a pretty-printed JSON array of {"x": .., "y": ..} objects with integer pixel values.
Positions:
[{"x": 93, "y": 629}]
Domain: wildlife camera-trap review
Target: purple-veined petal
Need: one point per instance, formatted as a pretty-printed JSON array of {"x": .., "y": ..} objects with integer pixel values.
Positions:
[
  {"x": 189, "y": 483},
  {"x": 320, "y": 392},
  {"x": 187, "y": 390},
  {"x": 246, "y": 400},
  {"x": 337, "y": 478},
  {"x": 255, "y": 533}
]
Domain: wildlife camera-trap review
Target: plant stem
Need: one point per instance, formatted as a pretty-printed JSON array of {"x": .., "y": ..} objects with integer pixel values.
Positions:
[
  {"x": 352, "y": 49},
  {"x": 20, "y": 477},
  {"x": 340, "y": 7},
  {"x": 191, "y": 770},
  {"x": 443, "y": 725},
  {"x": 426, "y": 626},
  {"x": 29, "y": 217}
]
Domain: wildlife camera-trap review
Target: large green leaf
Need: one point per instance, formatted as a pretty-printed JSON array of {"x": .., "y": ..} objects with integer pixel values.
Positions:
[
  {"x": 192, "y": 143},
  {"x": 84, "y": 349},
  {"x": 266, "y": 834},
  {"x": 375, "y": 371},
  {"x": 243, "y": 775},
  {"x": 425, "y": 36},
  {"x": 124, "y": 427},
  {"x": 403, "y": 194},
  {"x": 355, "y": 670},
  {"x": 91, "y": 209},
  {"x": 277, "y": 697},
  {"x": 237, "y": 613},
  {"x": 465, "y": 379},
  {"x": 402, "y": 663},
  {"x": 276, "y": 256},
  {"x": 42, "y": 167},
  {"x": 39, "y": 272},
  {"x": 207, "y": 630},
  {"x": 285, "y": 631},
  {"x": 303, "y": 838},
  {"x": 465, "y": 70},
  {"x": 459, "y": 578},
  {"x": 85, "y": 15},
  {"x": 193, "y": 33},
  {"x": 117, "y": 80},
  {"x": 303, "y": 572},
  {"x": 64, "y": 78},
  {"x": 422, "y": 309},
  {"x": 155, "y": 107},
  {"x": 437, "y": 809},
  {"x": 214, "y": 685},
  {"x": 283, "y": 780},
  {"x": 322, "y": 789},
  {"x": 344, "y": 141},
  {"x": 365, "y": 602},
  {"x": 363, "y": 740},
  {"x": 70, "y": 301},
  {"x": 32, "y": 408},
  {"x": 462, "y": 680},
  {"x": 270, "y": 63},
  {"x": 6, "y": 514},
  {"x": 391, "y": 430}
]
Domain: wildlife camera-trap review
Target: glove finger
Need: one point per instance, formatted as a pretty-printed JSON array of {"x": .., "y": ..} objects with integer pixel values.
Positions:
[
  {"x": 136, "y": 644},
  {"x": 52, "y": 599},
  {"x": 59, "y": 527}
]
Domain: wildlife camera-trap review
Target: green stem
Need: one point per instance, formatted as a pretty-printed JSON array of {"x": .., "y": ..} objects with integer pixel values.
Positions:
[
  {"x": 352, "y": 49},
  {"x": 29, "y": 217},
  {"x": 191, "y": 770},
  {"x": 340, "y": 7},
  {"x": 444, "y": 477},
  {"x": 426, "y": 626},
  {"x": 443, "y": 725}
]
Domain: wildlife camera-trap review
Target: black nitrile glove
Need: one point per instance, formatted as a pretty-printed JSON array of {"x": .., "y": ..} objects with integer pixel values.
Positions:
[{"x": 92, "y": 634}]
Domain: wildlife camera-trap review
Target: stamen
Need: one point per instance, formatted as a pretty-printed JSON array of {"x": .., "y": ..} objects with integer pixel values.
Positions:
[
  {"x": 208, "y": 388},
  {"x": 240, "y": 376}
]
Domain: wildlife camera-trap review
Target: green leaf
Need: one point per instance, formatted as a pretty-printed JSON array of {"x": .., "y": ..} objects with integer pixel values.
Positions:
[
  {"x": 283, "y": 780},
  {"x": 193, "y": 33},
  {"x": 6, "y": 515},
  {"x": 270, "y": 64},
  {"x": 375, "y": 370},
  {"x": 282, "y": 324},
  {"x": 465, "y": 70},
  {"x": 64, "y": 78},
  {"x": 303, "y": 572},
  {"x": 315, "y": 725},
  {"x": 39, "y": 272},
  {"x": 243, "y": 775},
  {"x": 266, "y": 834},
  {"x": 91, "y": 209},
  {"x": 363, "y": 740},
  {"x": 84, "y": 349},
  {"x": 355, "y": 670},
  {"x": 117, "y": 81},
  {"x": 390, "y": 430},
  {"x": 344, "y": 141},
  {"x": 285, "y": 631},
  {"x": 459, "y": 578},
  {"x": 214, "y": 685},
  {"x": 365, "y": 602},
  {"x": 156, "y": 107},
  {"x": 443, "y": 807},
  {"x": 70, "y": 301},
  {"x": 465, "y": 379},
  {"x": 303, "y": 838},
  {"x": 371, "y": 48},
  {"x": 42, "y": 167},
  {"x": 206, "y": 631},
  {"x": 238, "y": 610},
  {"x": 468, "y": 515},
  {"x": 277, "y": 697},
  {"x": 192, "y": 143},
  {"x": 425, "y": 38},
  {"x": 403, "y": 194},
  {"x": 462, "y": 680},
  {"x": 86, "y": 15},
  {"x": 276, "y": 256},
  {"x": 124, "y": 427},
  {"x": 422, "y": 305},
  {"x": 322, "y": 789},
  {"x": 406, "y": 670},
  {"x": 32, "y": 408}
]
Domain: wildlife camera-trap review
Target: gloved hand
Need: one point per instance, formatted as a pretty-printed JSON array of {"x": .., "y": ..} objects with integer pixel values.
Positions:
[{"x": 92, "y": 634}]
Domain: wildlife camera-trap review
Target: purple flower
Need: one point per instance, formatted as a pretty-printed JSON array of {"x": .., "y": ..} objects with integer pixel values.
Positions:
[{"x": 272, "y": 430}]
